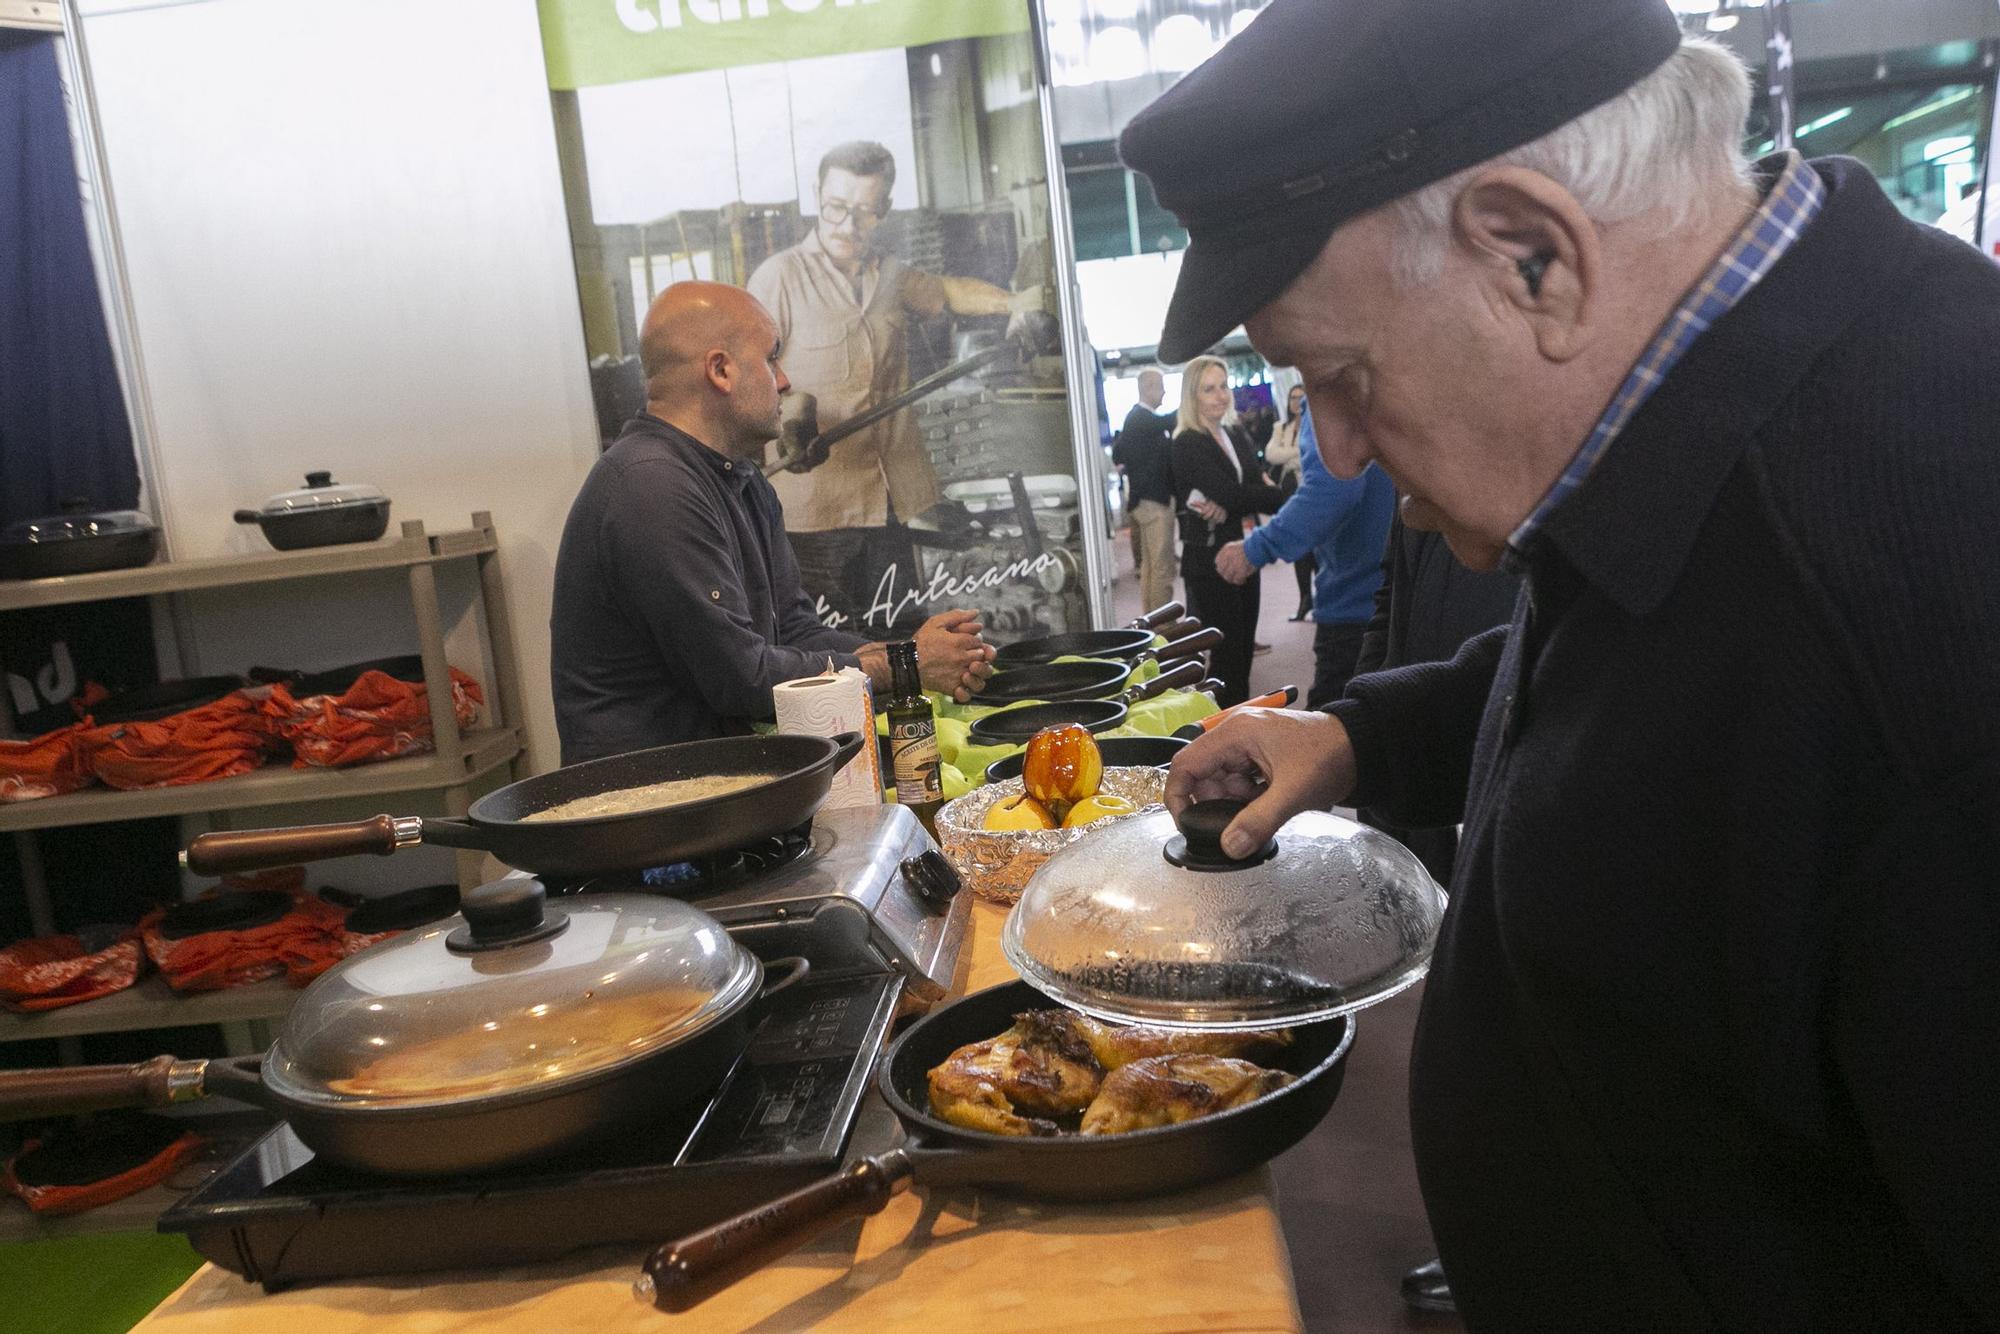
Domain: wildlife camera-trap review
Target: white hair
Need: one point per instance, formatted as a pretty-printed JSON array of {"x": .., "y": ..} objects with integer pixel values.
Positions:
[{"x": 1669, "y": 145}]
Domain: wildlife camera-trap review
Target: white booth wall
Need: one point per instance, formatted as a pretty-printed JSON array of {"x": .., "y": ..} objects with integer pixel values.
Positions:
[{"x": 344, "y": 234}]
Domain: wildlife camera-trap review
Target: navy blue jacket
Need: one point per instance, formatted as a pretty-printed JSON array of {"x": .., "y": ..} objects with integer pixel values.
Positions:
[
  {"x": 677, "y": 599},
  {"x": 1712, "y": 1035}
]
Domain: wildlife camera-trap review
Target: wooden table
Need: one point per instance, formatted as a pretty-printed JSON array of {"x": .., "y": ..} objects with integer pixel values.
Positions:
[{"x": 1209, "y": 1259}]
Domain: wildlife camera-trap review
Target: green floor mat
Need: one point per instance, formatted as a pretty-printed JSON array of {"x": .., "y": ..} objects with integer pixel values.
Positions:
[{"x": 89, "y": 1285}]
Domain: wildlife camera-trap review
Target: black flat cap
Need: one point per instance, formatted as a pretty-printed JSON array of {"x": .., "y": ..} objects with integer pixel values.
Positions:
[{"x": 1323, "y": 109}]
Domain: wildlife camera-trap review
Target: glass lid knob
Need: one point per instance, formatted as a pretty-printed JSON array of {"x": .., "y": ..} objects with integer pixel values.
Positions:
[{"x": 1198, "y": 845}]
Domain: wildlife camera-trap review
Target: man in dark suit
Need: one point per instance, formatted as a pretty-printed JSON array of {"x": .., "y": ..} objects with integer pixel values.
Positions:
[{"x": 1141, "y": 453}]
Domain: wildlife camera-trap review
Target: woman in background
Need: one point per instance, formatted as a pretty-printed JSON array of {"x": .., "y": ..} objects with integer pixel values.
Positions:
[
  {"x": 1217, "y": 485},
  {"x": 1281, "y": 462}
]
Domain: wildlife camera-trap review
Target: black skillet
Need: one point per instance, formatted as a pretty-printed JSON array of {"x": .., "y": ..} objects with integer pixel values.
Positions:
[
  {"x": 936, "y": 1153},
  {"x": 1116, "y": 752},
  {"x": 1066, "y": 680},
  {"x": 1018, "y": 725},
  {"x": 797, "y": 771},
  {"x": 1125, "y": 643},
  {"x": 1089, "y": 679}
]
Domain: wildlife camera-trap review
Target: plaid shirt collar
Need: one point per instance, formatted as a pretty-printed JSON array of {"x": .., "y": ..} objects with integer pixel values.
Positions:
[{"x": 1790, "y": 203}]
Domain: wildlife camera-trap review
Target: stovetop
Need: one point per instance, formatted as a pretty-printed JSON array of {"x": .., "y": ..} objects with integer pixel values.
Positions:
[
  {"x": 863, "y": 888},
  {"x": 781, "y": 1118},
  {"x": 861, "y": 895}
]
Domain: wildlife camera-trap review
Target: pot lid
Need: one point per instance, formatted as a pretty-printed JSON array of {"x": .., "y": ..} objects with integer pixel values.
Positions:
[
  {"x": 319, "y": 493},
  {"x": 76, "y": 521},
  {"x": 1143, "y": 922},
  {"x": 511, "y": 994}
]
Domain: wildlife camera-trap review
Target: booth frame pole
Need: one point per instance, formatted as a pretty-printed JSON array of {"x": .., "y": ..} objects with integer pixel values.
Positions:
[{"x": 1078, "y": 361}]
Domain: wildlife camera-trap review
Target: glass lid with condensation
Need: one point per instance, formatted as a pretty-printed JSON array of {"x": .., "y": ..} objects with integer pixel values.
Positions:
[
  {"x": 1142, "y": 921},
  {"x": 514, "y": 995}
]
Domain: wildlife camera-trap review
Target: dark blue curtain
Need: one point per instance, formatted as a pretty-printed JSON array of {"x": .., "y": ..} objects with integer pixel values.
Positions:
[{"x": 63, "y": 429}]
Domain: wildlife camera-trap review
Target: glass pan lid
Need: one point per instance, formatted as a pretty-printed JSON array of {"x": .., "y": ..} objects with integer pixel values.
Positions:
[
  {"x": 426, "y": 1018},
  {"x": 1141, "y": 922}
]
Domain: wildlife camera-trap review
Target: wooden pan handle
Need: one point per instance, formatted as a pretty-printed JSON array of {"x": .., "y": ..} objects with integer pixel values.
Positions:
[
  {"x": 1159, "y": 616},
  {"x": 27, "y": 1094},
  {"x": 1172, "y": 675},
  {"x": 1187, "y": 645},
  {"x": 682, "y": 1274},
  {"x": 261, "y": 849}
]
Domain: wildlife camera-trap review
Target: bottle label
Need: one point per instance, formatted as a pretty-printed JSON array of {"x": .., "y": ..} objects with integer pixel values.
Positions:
[{"x": 914, "y": 746}]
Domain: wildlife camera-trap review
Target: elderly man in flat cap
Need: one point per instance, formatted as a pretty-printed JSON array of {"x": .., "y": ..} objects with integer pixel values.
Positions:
[{"x": 1712, "y": 1033}]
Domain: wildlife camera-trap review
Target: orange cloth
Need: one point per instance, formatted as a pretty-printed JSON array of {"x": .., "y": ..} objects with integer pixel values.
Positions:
[
  {"x": 55, "y": 971},
  {"x": 219, "y": 740},
  {"x": 377, "y": 718},
  {"x": 54, "y": 1201},
  {"x": 48, "y": 765},
  {"x": 301, "y": 945}
]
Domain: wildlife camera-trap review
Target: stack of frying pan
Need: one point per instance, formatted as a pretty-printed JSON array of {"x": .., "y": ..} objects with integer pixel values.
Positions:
[{"x": 1097, "y": 691}]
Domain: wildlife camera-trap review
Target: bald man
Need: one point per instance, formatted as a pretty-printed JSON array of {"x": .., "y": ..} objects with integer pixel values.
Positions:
[{"x": 677, "y": 596}]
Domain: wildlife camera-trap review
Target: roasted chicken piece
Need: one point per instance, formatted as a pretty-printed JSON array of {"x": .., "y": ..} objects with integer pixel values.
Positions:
[
  {"x": 1041, "y": 1067},
  {"x": 1167, "y": 1090},
  {"x": 1115, "y": 1045}
]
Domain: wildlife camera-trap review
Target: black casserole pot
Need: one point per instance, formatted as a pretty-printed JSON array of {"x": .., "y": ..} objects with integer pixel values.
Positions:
[
  {"x": 322, "y": 513},
  {"x": 77, "y": 541}
]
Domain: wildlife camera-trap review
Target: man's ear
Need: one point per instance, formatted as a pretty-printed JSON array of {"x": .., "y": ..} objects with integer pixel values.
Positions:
[
  {"x": 1540, "y": 252},
  {"x": 719, "y": 369}
]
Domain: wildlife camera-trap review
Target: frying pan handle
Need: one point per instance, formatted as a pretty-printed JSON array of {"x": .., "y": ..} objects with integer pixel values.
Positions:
[
  {"x": 28, "y": 1094},
  {"x": 846, "y": 745},
  {"x": 682, "y": 1274},
  {"x": 1176, "y": 675},
  {"x": 1177, "y": 629},
  {"x": 1188, "y": 645},
  {"x": 1160, "y": 615},
  {"x": 262, "y": 849},
  {"x": 795, "y": 969}
]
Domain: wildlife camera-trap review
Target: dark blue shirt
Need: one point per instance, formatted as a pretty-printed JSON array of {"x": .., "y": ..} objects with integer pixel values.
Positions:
[{"x": 677, "y": 599}]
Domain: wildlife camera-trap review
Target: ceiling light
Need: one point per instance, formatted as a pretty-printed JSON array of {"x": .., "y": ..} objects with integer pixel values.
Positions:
[
  {"x": 1722, "y": 20},
  {"x": 1117, "y": 53},
  {"x": 1939, "y": 104},
  {"x": 1116, "y": 9},
  {"x": 1062, "y": 11},
  {"x": 1181, "y": 42},
  {"x": 1824, "y": 121},
  {"x": 1240, "y": 20}
]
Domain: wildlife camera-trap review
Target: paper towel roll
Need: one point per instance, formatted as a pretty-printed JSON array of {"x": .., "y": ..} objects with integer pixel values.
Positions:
[{"x": 827, "y": 706}]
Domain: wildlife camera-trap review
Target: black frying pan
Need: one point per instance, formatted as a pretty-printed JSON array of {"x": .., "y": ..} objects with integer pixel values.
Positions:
[
  {"x": 1089, "y": 679},
  {"x": 683, "y": 1273},
  {"x": 1016, "y": 726},
  {"x": 1116, "y": 752},
  {"x": 1125, "y": 643},
  {"x": 800, "y": 769}
]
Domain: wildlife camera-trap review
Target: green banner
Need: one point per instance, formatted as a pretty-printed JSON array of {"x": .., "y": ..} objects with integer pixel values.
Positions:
[{"x": 615, "y": 41}]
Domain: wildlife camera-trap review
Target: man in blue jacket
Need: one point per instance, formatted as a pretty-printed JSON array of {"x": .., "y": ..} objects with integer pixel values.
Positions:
[{"x": 1343, "y": 522}]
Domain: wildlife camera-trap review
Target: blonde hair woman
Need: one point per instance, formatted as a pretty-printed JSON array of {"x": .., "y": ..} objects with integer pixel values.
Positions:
[{"x": 1216, "y": 474}]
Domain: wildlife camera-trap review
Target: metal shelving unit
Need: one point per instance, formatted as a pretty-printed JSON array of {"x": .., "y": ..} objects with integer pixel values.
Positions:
[{"x": 460, "y": 758}]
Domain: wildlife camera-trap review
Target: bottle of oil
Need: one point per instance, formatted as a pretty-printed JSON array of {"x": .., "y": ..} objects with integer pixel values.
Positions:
[{"x": 913, "y": 737}]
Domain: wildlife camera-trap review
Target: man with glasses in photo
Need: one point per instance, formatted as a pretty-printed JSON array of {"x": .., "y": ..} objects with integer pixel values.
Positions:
[{"x": 843, "y": 309}]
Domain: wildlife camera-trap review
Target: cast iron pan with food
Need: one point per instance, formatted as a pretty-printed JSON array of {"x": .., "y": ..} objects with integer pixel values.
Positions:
[
  {"x": 1142, "y": 752},
  {"x": 683, "y": 1273},
  {"x": 453, "y": 1135},
  {"x": 797, "y": 772}
]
